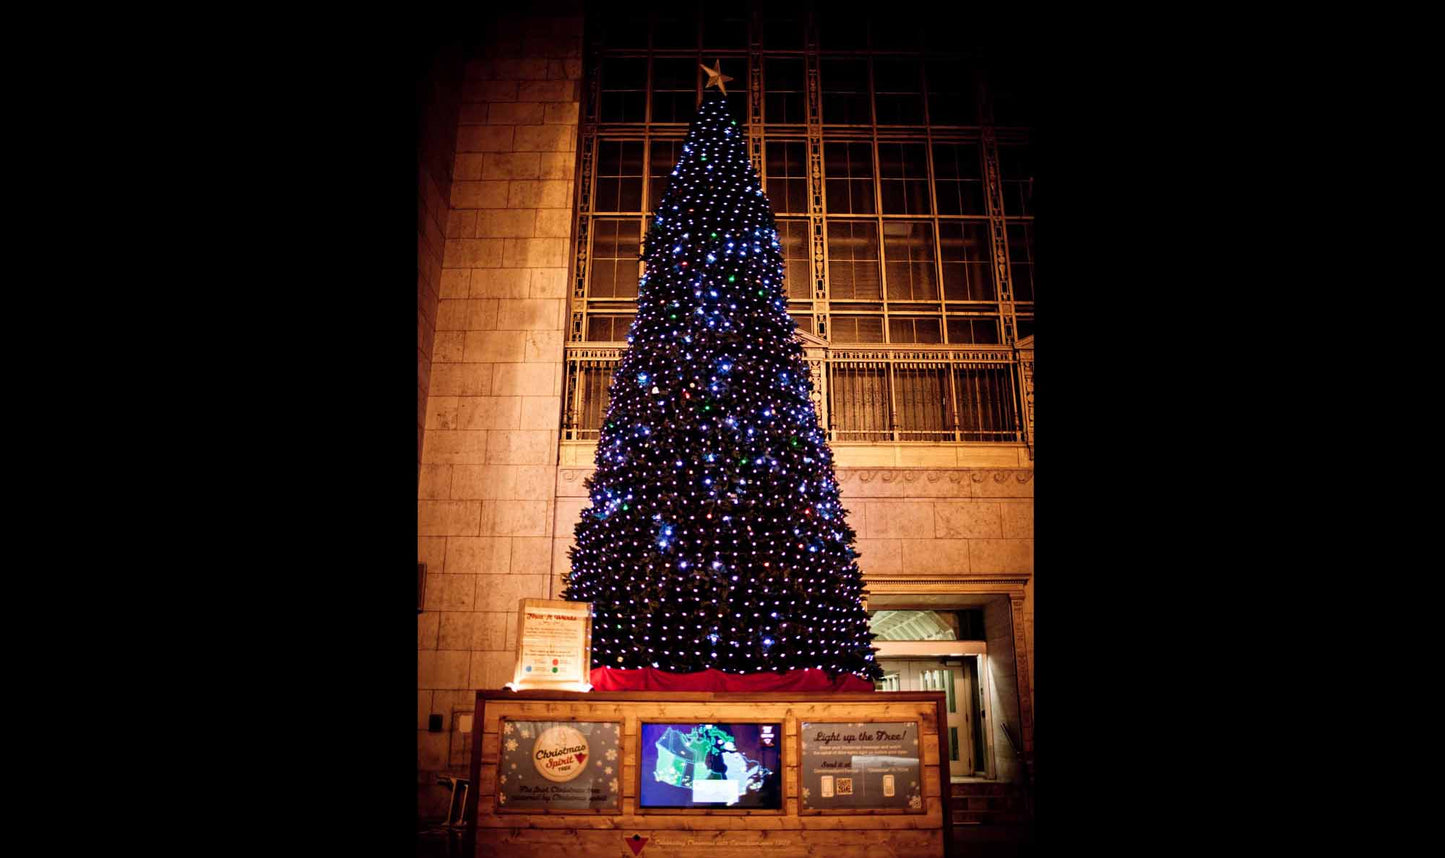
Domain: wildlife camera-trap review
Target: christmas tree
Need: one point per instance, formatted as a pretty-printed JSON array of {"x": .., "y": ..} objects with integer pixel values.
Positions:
[{"x": 716, "y": 538}]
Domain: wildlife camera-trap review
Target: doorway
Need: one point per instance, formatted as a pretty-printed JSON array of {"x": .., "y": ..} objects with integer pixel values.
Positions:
[{"x": 959, "y": 678}]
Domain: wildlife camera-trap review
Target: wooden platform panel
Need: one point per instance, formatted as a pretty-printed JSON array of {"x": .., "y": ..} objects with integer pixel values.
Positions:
[{"x": 705, "y": 832}]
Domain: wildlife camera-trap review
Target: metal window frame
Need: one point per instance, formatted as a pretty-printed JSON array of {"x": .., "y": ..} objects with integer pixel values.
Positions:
[{"x": 814, "y": 133}]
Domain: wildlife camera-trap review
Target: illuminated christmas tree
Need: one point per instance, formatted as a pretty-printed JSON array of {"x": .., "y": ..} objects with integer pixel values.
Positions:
[{"x": 716, "y": 538}]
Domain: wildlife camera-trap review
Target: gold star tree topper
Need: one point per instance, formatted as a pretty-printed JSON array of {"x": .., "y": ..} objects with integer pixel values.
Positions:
[{"x": 715, "y": 77}]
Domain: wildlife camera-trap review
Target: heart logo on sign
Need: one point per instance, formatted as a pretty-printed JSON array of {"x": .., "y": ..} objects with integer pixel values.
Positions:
[
  {"x": 635, "y": 843},
  {"x": 581, "y": 758}
]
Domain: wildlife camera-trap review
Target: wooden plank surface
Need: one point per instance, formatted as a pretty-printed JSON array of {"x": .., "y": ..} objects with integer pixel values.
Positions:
[
  {"x": 719, "y": 844},
  {"x": 758, "y": 834}
]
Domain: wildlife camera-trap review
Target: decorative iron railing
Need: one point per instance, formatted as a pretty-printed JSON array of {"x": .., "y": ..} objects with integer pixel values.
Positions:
[{"x": 880, "y": 394}]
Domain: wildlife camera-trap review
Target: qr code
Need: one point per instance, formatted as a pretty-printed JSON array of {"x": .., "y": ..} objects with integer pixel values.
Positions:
[{"x": 845, "y": 786}]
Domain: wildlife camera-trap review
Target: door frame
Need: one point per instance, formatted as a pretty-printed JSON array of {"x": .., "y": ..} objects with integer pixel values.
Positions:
[
  {"x": 932, "y": 593},
  {"x": 978, "y": 651}
]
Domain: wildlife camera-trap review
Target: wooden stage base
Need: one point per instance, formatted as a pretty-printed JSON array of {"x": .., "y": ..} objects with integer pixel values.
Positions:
[{"x": 646, "y": 833}]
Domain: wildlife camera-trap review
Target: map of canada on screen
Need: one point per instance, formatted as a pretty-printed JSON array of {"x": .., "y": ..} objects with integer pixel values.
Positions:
[{"x": 711, "y": 765}]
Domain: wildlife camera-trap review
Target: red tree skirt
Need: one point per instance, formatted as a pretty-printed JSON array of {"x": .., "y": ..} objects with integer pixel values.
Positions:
[{"x": 652, "y": 679}]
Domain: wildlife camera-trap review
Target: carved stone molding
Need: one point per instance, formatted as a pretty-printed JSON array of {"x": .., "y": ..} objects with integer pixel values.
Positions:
[
  {"x": 1004, "y": 584},
  {"x": 1012, "y": 582}
]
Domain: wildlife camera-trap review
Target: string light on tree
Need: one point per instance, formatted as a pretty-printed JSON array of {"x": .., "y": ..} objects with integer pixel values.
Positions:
[{"x": 715, "y": 537}]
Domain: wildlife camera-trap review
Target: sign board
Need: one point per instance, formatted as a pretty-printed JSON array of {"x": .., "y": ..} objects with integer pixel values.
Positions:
[
  {"x": 860, "y": 766},
  {"x": 559, "y": 765},
  {"x": 554, "y": 645}
]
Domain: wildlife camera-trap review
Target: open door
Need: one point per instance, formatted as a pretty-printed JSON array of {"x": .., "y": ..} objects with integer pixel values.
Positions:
[{"x": 956, "y": 681}]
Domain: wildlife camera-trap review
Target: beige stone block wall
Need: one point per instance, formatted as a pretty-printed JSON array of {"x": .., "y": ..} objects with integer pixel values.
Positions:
[
  {"x": 924, "y": 521},
  {"x": 436, "y": 161},
  {"x": 486, "y": 494},
  {"x": 1004, "y": 687}
]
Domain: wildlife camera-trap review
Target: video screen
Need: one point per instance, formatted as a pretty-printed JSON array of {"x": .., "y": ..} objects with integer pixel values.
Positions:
[{"x": 712, "y": 766}]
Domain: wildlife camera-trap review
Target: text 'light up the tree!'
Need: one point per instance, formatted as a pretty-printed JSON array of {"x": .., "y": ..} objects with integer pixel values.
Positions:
[{"x": 715, "y": 537}]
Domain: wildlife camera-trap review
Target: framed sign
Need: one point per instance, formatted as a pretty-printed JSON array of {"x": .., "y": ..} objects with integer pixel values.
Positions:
[
  {"x": 554, "y": 645},
  {"x": 860, "y": 766},
  {"x": 566, "y": 766},
  {"x": 697, "y": 767}
]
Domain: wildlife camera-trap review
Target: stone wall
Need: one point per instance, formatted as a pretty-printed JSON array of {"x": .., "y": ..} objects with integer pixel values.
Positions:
[
  {"x": 438, "y": 94},
  {"x": 1003, "y": 703},
  {"x": 492, "y": 418},
  {"x": 956, "y": 522}
]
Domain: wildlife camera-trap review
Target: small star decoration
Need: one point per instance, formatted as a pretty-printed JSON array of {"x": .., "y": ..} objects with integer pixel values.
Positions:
[{"x": 715, "y": 77}]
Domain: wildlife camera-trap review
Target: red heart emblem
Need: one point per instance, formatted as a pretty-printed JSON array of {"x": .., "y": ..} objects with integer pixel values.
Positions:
[
  {"x": 635, "y": 843},
  {"x": 580, "y": 758}
]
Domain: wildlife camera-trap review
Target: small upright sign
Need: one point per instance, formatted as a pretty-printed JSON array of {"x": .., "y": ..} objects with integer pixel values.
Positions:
[{"x": 554, "y": 645}]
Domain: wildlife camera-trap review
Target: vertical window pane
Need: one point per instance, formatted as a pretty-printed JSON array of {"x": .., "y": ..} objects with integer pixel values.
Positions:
[
  {"x": 787, "y": 178},
  {"x": 1016, "y": 173},
  {"x": 604, "y": 255},
  {"x": 899, "y": 89},
  {"x": 845, "y": 91},
  {"x": 848, "y": 170},
  {"x": 908, "y": 255},
  {"x": 629, "y": 251},
  {"x": 665, "y": 155},
  {"x": 783, "y": 83},
  {"x": 958, "y": 179},
  {"x": 623, "y": 86},
  {"x": 853, "y": 260},
  {"x": 967, "y": 272},
  {"x": 674, "y": 89},
  {"x": 793, "y": 235},
  {"x": 619, "y": 176},
  {"x": 1021, "y": 259},
  {"x": 616, "y": 246},
  {"x": 903, "y": 170}
]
